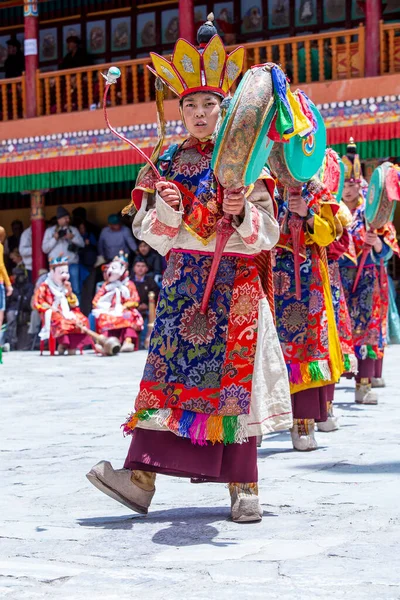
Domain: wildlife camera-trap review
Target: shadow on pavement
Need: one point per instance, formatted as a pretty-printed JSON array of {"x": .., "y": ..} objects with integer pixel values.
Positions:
[
  {"x": 188, "y": 526},
  {"x": 350, "y": 468}
]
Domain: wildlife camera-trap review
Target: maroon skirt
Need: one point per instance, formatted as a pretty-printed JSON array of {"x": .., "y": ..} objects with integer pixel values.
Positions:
[
  {"x": 368, "y": 368},
  {"x": 311, "y": 403},
  {"x": 166, "y": 453}
]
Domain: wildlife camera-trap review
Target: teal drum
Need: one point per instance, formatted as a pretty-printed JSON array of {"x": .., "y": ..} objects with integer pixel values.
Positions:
[
  {"x": 242, "y": 146},
  {"x": 301, "y": 158},
  {"x": 379, "y": 210}
]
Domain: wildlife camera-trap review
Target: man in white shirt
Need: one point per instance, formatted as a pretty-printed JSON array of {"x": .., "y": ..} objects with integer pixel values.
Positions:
[
  {"x": 25, "y": 250},
  {"x": 64, "y": 240}
]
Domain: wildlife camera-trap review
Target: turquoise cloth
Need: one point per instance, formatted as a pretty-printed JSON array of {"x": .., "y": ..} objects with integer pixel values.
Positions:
[{"x": 393, "y": 316}]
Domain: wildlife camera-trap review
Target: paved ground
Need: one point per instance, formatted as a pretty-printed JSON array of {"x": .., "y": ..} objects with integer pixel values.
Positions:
[{"x": 331, "y": 524}]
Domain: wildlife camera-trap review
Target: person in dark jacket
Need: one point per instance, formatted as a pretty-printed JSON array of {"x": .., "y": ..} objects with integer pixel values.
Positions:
[
  {"x": 14, "y": 65},
  {"x": 76, "y": 56},
  {"x": 152, "y": 258}
]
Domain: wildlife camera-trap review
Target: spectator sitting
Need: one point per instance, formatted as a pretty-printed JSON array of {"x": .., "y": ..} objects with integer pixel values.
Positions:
[
  {"x": 25, "y": 250},
  {"x": 152, "y": 259},
  {"x": 114, "y": 238},
  {"x": 76, "y": 56},
  {"x": 64, "y": 240},
  {"x": 14, "y": 65},
  {"x": 79, "y": 215},
  {"x": 144, "y": 284}
]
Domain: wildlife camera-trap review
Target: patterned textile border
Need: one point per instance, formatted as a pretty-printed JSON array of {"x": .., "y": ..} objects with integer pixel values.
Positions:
[{"x": 96, "y": 156}]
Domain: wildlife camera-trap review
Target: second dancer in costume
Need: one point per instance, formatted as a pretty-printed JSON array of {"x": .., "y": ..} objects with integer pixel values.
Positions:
[
  {"x": 306, "y": 327},
  {"x": 367, "y": 304}
]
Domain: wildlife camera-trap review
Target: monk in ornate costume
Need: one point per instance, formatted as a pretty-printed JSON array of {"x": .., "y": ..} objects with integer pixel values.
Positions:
[
  {"x": 115, "y": 305},
  {"x": 58, "y": 307},
  {"x": 342, "y": 245},
  {"x": 211, "y": 383},
  {"x": 368, "y": 304},
  {"x": 306, "y": 326}
]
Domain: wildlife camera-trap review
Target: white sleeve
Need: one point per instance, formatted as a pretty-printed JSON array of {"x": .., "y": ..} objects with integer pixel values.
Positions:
[{"x": 158, "y": 226}]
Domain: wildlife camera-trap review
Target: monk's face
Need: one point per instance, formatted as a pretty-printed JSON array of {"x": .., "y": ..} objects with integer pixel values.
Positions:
[
  {"x": 351, "y": 193},
  {"x": 200, "y": 113}
]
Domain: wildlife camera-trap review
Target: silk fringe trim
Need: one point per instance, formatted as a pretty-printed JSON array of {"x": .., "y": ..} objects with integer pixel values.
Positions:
[
  {"x": 316, "y": 370},
  {"x": 199, "y": 428}
]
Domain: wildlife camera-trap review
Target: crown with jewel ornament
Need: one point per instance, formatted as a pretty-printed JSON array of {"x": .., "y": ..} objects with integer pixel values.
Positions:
[
  {"x": 58, "y": 261},
  {"x": 207, "y": 68},
  {"x": 352, "y": 163},
  {"x": 122, "y": 258}
]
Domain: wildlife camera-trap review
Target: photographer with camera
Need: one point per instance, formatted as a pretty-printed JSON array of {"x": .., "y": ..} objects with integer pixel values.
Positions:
[{"x": 65, "y": 240}]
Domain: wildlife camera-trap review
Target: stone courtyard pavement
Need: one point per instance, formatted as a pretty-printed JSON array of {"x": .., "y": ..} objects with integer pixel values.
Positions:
[{"x": 331, "y": 517}]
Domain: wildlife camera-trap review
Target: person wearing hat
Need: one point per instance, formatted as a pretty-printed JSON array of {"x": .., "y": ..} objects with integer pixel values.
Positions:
[
  {"x": 59, "y": 309},
  {"x": 14, "y": 65},
  {"x": 366, "y": 304},
  {"x": 65, "y": 240},
  {"x": 114, "y": 238},
  {"x": 214, "y": 382},
  {"x": 76, "y": 55}
]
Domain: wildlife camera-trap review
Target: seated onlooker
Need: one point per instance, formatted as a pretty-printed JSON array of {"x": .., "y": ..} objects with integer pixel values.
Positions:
[
  {"x": 152, "y": 259},
  {"x": 14, "y": 65},
  {"x": 25, "y": 250},
  {"x": 76, "y": 55},
  {"x": 114, "y": 238},
  {"x": 64, "y": 240},
  {"x": 144, "y": 284}
]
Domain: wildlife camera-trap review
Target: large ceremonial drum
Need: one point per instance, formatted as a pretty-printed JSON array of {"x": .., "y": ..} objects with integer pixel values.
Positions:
[
  {"x": 379, "y": 210},
  {"x": 299, "y": 159},
  {"x": 242, "y": 145}
]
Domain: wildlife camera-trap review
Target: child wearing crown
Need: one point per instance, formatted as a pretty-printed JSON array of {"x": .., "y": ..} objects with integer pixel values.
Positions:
[
  {"x": 115, "y": 305},
  {"x": 368, "y": 304},
  {"x": 212, "y": 383},
  {"x": 58, "y": 307}
]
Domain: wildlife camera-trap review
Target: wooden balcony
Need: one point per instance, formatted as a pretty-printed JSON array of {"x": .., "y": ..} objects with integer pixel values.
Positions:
[
  {"x": 312, "y": 58},
  {"x": 390, "y": 48}
]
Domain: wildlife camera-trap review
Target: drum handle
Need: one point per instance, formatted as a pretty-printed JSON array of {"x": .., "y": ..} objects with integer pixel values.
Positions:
[
  {"x": 366, "y": 251},
  {"x": 295, "y": 225},
  {"x": 224, "y": 232}
]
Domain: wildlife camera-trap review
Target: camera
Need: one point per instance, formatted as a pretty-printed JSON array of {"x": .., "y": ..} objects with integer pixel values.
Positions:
[{"x": 62, "y": 233}]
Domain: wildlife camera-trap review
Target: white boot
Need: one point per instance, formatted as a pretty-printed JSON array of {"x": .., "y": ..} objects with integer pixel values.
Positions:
[
  {"x": 302, "y": 433},
  {"x": 127, "y": 346},
  {"x": 378, "y": 382},
  {"x": 364, "y": 394},
  {"x": 332, "y": 422},
  {"x": 125, "y": 486},
  {"x": 245, "y": 504}
]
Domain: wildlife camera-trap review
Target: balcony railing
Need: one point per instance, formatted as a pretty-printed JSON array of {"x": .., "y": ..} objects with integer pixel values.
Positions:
[
  {"x": 308, "y": 58},
  {"x": 12, "y": 98},
  {"x": 390, "y": 48}
]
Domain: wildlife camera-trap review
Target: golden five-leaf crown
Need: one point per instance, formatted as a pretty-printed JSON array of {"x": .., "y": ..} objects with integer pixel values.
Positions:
[
  {"x": 352, "y": 163},
  {"x": 207, "y": 68}
]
